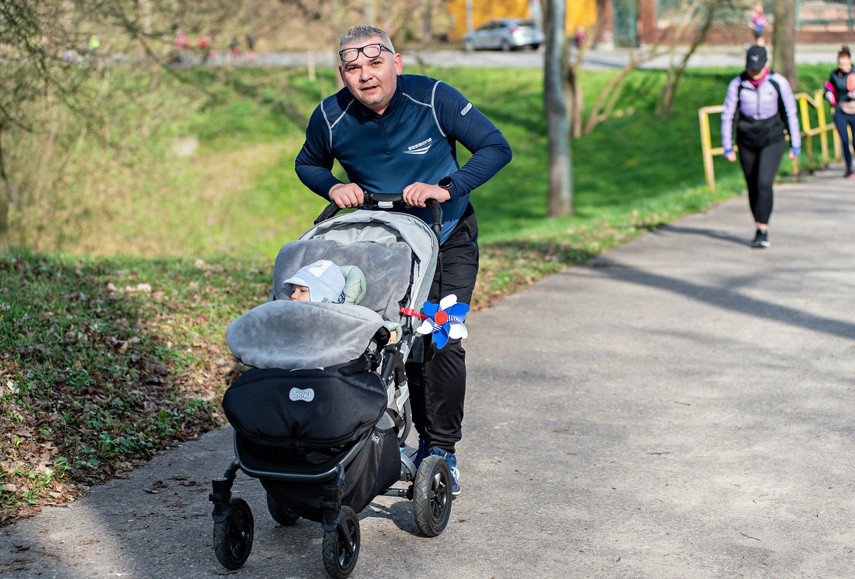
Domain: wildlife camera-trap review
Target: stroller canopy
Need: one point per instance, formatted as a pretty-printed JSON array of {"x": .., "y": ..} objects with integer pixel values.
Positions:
[{"x": 396, "y": 252}]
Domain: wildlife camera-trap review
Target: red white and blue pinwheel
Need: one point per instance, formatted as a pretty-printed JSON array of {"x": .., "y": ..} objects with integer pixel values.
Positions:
[{"x": 444, "y": 320}]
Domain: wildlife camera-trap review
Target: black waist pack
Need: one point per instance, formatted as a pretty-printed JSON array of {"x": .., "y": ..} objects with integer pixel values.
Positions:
[{"x": 759, "y": 133}]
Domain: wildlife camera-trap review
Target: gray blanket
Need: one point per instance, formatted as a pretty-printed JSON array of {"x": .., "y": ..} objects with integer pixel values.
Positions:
[{"x": 286, "y": 334}]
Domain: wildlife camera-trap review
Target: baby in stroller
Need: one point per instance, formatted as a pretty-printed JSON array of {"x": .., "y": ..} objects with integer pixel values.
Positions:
[
  {"x": 320, "y": 416},
  {"x": 321, "y": 281},
  {"x": 324, "y": 281}
]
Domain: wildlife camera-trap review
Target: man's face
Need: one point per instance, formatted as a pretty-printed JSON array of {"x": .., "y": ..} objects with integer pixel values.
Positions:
[{"x": 372, "y": 81}]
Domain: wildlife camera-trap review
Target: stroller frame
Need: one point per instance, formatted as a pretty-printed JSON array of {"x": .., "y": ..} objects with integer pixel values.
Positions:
[{"x": 428, "y": 486}]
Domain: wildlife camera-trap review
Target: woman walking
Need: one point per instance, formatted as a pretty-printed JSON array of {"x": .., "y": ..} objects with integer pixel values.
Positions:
[
  {"x": 763, "y": 103},
  {"x": 841, "y": 95},
  {"x": 757, "y": 24}
]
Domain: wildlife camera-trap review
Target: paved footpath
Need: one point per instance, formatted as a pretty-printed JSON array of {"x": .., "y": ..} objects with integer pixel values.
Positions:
[{"x": 680, "y": 407}]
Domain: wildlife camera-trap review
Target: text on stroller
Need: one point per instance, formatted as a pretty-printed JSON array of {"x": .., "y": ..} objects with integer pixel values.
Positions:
[{"x": 306, "y": 395}]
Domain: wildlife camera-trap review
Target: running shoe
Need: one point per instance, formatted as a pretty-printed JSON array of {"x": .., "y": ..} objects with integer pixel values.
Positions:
[
  {"x": 761, "y": 239},
  {"x": 452, "y": 465},
  {"x": 849, "y": 174},
  {"x": 422, "y": 452}
]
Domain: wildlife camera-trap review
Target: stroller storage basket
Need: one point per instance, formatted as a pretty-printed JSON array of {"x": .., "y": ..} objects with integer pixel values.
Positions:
[
  {"x": 369, "y": 466},
  {"x": 313, "y": 408}
]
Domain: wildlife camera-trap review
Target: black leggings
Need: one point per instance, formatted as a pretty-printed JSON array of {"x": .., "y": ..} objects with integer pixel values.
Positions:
[
  {"x": 842, "y": 121},
  {"x": 760, "y": 167},
  {"x": 438, "y": 387}
]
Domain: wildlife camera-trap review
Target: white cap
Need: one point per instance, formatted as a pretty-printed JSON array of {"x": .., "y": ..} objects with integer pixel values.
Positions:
[{"x": 324, "y": 280}]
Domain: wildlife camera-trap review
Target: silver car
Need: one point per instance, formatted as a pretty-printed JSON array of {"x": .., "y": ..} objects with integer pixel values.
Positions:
[{"x": 504, "y": 34}]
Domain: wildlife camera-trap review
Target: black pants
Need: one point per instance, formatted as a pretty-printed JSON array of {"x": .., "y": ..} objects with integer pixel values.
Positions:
[
  {"x": 760, "y": 165},
  {"x": 842, "y": 121},
  {"x": 438, "y": 386}
]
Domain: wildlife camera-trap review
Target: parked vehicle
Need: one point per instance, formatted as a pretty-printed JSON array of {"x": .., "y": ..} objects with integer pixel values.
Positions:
[{"x": 504, "y": 34}]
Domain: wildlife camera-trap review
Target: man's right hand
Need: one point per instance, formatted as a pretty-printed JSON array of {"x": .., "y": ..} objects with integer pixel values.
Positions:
[
  {"x": 347, "y": 195},
  {"x": 730, "y": 156}
]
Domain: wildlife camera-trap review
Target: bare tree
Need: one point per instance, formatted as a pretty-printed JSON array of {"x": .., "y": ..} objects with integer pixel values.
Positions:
[
  {"x": 608, "y": 97},
  {"x": 690, "y": 21},
  {"x": 573, "y": 74},
  {"x": 556, "y": 99},
  {"x": 56, "y": 54},
  {"x": 784, "y": 40},
  {"x": 693, "y": 20},
  {"x": 36, "y": 54}
]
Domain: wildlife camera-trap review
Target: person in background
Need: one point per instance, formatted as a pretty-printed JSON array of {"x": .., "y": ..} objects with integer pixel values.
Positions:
[
  {"x": 757, "y": 24},
  {"x": 250, "y": 46},
  {"x": 234, "y": 50},
  {"x": 841, "y": 94},
  {"x": 393, "y": 132},
  {"x": 579, "y": 38},
  {"x": 765, "y": 107},
  {"x": 180, "y": 42},
  {"x": 205, "y": 49}
]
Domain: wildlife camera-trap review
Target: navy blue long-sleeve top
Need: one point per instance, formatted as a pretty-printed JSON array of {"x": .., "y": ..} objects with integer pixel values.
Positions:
[
  {"x": 414, "y": 140},
  {"x": 840, "y": 81}
]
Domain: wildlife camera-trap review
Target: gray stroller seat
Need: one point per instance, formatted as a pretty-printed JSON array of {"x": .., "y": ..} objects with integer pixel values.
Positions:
[{"x": 285, "y": 334}]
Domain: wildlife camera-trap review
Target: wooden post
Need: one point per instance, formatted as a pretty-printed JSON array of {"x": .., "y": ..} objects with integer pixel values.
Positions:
[{"x": 706, "y": 147}]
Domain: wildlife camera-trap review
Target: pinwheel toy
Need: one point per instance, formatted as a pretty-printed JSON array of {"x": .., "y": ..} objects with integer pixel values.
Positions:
[{"x": 444, "y": 320}]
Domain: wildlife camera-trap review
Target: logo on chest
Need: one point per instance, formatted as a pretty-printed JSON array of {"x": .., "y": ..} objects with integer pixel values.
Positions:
[{"x": 419, "y": 148}]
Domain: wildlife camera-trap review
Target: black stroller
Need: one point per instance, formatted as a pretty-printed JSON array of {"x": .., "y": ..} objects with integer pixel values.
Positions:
[{"x": 322, "y": 414}]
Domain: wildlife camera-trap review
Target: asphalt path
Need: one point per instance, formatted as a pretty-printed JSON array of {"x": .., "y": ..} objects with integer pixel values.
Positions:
[{"x": 678, "y": 407}]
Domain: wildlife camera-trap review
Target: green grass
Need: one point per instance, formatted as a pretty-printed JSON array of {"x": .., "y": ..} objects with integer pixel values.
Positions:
[
  {"x": 128, "y": 265},
  {"x": 106, "y": 361}
]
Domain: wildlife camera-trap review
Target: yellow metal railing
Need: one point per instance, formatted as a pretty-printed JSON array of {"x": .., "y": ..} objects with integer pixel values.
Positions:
[{"x": 805, "y": 102}]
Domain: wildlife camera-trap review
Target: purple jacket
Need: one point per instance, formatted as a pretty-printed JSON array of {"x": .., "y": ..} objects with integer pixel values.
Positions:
[{"x": 759, "y": 103}]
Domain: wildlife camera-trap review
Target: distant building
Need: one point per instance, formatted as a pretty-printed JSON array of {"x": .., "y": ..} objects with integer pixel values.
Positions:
[
  {"x": 467, "y": 15},
  {"x": 651, "y": 21},
  {"x": 636, "y": 22}
]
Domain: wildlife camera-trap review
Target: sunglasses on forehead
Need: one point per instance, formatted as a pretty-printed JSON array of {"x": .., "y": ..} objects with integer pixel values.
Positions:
[{"x": 369, "y": 50}]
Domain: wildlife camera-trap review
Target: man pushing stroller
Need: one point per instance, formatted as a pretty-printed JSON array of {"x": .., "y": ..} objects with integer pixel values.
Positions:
[{"x": 398, "y": 133}]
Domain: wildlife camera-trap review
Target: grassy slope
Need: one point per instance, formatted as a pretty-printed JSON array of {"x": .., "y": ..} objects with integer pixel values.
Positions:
[{"x": 108, "y": 359}]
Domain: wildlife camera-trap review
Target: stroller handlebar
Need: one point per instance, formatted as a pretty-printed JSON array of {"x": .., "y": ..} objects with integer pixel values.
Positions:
[{"x": 388, "y": 201}]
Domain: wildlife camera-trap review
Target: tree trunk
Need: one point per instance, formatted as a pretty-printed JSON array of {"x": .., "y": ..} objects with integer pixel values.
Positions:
[
  {"x": 426, "y": 35},
  {"x": 608, "y": 97},
  {"x": 5, "y": 189},
  {"x": 602, "y": 11},
  {"x": 368, "y": 11},
  {"x": 578, "y": 104},
  {"x": 555, "y": 106},
  {"x": 573, "y": 77},
  {"x": 784, "y": 40}
]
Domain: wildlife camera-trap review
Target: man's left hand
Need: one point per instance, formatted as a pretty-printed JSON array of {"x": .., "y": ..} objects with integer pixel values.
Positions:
[{"x": 417, "y": 194}]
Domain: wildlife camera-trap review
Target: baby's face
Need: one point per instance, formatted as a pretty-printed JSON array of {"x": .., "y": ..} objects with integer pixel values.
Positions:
[{"x": 300, "y": 293}]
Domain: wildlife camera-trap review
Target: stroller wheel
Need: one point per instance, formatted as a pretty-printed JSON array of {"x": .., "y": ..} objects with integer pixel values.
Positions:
[
  {"x": 432, "y": 496},
  {"x": 281, "y": 514},
  {"x": 233, "y": 535},
  {"x": 341, "y": 546}
]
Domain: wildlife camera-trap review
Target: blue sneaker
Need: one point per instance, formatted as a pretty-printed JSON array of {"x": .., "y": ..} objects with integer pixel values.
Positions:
[
  {"x": 452, "y": 465},
  {"x": 423, "y": 451}
]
